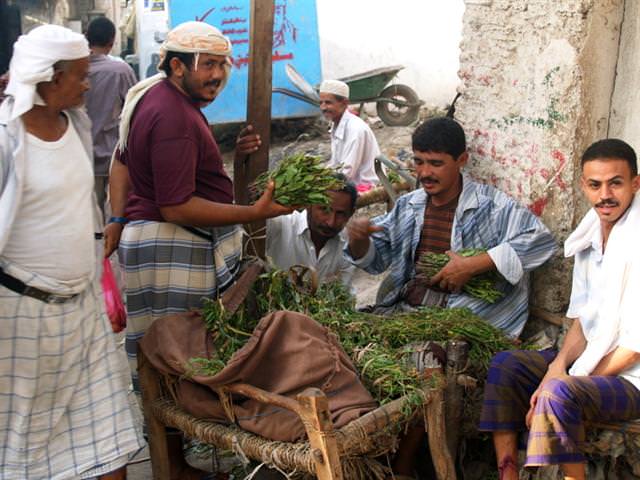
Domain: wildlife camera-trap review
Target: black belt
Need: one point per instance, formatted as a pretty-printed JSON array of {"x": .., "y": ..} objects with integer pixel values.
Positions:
[
  {"x": 22, "y": 288},
  {"x": 198, "y": 233}
]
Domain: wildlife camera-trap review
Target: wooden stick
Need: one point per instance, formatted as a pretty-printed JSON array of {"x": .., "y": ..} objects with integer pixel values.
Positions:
[
  {"x": 379, "y": 194},
  {"x": 158, "y": 447},
  {"x": 434, "y": 413},
  {"x": 246, "y": 169},
  {"x": 546, "y": 315},
  {"x": 263, "y": 396},
  {"x": 314, "y": 412},
  {"x": 457, "y": 353}
]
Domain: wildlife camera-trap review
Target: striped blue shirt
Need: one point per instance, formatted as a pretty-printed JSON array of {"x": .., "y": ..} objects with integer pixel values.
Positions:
[{"x": 515, "y": 239}]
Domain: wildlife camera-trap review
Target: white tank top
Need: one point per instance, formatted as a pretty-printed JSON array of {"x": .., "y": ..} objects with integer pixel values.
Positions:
[{"x": 53, "y": 233}]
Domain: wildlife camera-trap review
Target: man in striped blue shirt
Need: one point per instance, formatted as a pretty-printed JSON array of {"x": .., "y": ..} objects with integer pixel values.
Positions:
[{"x": 449, "y": 213}]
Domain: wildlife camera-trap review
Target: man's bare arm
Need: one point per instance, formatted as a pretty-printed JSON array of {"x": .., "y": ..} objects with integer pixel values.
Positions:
[
  {"x": 616, "y": 362},
  {"x": 199, "y": 212},
  {"x": 118, "y": 192}
]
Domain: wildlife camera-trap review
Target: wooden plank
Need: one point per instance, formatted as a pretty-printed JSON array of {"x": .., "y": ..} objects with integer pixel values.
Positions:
[
  {"x": 457, "y": 355},
  {"x": 246, "y": 169},
  {"x": 263, "y": 396},
  {"x": 630, "y": 426},
  {"x": 315, "y": 415},
  {"x": 157, "y": 434},
  {"x": 435, "y": 424},
  {"x": 546, "y": 315}
]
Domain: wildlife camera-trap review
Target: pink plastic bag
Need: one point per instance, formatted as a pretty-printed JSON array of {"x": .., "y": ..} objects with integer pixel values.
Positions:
[{"x": 112, "y": 298}]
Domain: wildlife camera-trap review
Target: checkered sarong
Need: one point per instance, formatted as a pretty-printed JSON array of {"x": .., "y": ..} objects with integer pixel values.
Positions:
[
  {"x": 170, "y": 270},
  {"x": 64, "y": 411},
  {"x": 557, "y": 429}
]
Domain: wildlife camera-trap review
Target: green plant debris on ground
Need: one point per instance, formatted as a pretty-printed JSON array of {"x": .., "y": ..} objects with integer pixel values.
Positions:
[
  {"x": 481, "y": 286},
  {"x": 377, "y": 344},
  {"x": 300, "y": 180}
]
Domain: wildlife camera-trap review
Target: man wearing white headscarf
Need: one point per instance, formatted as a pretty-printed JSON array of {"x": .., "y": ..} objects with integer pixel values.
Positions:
[
  {"x": 171, "y": 198},
  {"x": 353, "y": 145},
  {"x": 64, "y": 411}
]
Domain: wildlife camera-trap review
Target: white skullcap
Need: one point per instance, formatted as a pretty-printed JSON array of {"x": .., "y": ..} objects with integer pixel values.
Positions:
[
  {"x": 195, "y": 37},
  {"x": 335, "y": 87},
  {"x": 34, "y": 55}
]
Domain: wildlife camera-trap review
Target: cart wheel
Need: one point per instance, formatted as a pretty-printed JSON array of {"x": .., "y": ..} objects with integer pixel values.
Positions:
[{"x": 398, "y": 115}]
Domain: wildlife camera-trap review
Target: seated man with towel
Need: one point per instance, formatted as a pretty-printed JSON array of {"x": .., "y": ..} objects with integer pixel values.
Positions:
[{"x": 596, "y": 374}]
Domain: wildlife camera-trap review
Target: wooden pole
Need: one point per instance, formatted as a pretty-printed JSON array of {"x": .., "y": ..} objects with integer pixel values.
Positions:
[
  {"x": 157, "y": 434},
  {"x": 316, "y": 417},
  {"x": 457, "y": 355},
  {"x": 258, "y": 112}
]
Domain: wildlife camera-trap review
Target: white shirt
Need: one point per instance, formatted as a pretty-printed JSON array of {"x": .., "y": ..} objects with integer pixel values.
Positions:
[
  {"x": 53, "y": 232},
  {"x": 589, "y": 294},
  {"x": 354, "y": 147},
  {"x": 289, "y": 243}
]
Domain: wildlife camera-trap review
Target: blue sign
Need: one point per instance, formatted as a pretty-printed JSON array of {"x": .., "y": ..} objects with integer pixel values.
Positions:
[{"x": 295, "y": 41}]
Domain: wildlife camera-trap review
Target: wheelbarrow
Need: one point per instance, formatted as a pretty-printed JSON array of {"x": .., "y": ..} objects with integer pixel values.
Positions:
[{"x": 396, "y": 104}]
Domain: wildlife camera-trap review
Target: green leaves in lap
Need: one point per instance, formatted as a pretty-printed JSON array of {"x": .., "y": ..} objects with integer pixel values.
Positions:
[
  {"x": 300, "y": 180},
  {"x": 481, "y": 286}
]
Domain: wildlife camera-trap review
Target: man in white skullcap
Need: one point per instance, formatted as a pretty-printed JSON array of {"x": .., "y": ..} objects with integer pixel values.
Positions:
[
  {"x": 64, "y": 411},
  {"x": 171, "y": 198},
  {"x": 353, "y": 145}
]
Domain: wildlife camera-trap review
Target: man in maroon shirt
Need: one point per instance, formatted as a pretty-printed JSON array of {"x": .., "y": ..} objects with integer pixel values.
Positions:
[{"x": 169, "y": 190}]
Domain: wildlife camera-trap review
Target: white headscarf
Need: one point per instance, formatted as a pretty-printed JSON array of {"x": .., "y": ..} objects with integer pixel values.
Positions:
[
  {"x": 188, "y": 37},
  {"x": 34, "y": 55}
]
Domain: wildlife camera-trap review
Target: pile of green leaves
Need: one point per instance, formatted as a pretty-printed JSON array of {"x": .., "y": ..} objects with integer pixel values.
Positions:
[
  {"x": 377, "y": 344},
  {"x": 300, "y": 180},
  {"x": 480, "y": 286}
]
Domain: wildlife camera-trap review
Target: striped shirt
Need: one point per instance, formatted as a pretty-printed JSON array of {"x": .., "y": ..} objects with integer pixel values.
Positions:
[
  {"x": 435, "y": 238},
  {"x": 515, "y": 239},
  {"x": 436, "y": 230}
]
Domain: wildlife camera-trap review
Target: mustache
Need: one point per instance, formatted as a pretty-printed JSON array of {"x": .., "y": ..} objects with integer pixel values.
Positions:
[
  {"x": 607, "y": 202},
  {"x": 328, "y": 230},
  {"x": 428, "y": 179}
]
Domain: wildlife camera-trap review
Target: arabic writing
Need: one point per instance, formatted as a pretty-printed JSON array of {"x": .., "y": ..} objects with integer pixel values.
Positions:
[{"x": 284, "y": 31}]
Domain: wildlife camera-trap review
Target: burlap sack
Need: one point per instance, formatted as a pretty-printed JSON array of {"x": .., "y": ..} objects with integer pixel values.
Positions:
[{"x": 287, "y": 353}]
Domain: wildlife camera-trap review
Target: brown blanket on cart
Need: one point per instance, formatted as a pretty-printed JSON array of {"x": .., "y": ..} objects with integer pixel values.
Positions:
[{"x": 287, "y": 353}]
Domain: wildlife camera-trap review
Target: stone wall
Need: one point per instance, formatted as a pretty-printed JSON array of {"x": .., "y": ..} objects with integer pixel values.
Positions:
[{"x": 537, "y": 82}]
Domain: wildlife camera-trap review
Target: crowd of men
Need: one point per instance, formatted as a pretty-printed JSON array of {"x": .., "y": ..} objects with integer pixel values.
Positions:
[{"x": 64, "y": 408}]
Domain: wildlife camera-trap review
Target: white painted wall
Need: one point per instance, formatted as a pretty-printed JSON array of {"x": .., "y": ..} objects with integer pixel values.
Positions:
[
  {"x": 423, "y": 35},
  {"x": 625, "y": 115}
]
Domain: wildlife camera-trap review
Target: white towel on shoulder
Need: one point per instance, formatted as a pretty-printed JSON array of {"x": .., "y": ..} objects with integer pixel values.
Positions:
[{"x": 618, "y": 260}]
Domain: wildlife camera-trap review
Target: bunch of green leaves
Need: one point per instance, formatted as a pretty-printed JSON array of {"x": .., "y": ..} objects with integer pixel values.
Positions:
[
  {"x": 377, "y": 344},
  {"x": 481, "y": 286},
  {"x": 229, "y": 333},
  {"x": 300, "y": 180}
]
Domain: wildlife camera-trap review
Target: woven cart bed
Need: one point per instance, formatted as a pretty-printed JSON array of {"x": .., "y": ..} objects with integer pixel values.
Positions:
[{"x": 355, "y": 446}]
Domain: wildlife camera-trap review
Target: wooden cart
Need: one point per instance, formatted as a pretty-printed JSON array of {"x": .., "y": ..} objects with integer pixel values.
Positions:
[{"x": 329, "y": 454}]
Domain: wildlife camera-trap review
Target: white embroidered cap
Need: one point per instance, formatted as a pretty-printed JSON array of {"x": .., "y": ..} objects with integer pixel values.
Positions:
[{"x": 335, "y": 87}]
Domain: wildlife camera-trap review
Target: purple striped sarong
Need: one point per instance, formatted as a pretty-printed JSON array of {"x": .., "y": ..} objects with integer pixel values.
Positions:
[{"x": 557, "y": 428}]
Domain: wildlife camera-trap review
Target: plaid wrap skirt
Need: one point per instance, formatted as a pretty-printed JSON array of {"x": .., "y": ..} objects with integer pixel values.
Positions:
[
  {"x": 564, "y": 405},
  {"x": 65, "y": 412},
  {"x": 170, "y": 270}
]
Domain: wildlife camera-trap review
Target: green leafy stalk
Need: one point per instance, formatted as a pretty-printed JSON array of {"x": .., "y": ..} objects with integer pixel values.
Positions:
[
  {"x": 481, "y": 286},
  {"x": 376, "y": 344},
  {"x": 300, "y": 180}
]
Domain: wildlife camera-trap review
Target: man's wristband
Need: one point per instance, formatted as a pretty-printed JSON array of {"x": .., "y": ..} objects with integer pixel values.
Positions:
[{"x": 121, "y": 220}]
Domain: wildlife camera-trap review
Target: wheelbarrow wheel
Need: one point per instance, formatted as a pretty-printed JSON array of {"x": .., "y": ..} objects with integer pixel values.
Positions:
[{"x": 398, "y": 114}]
